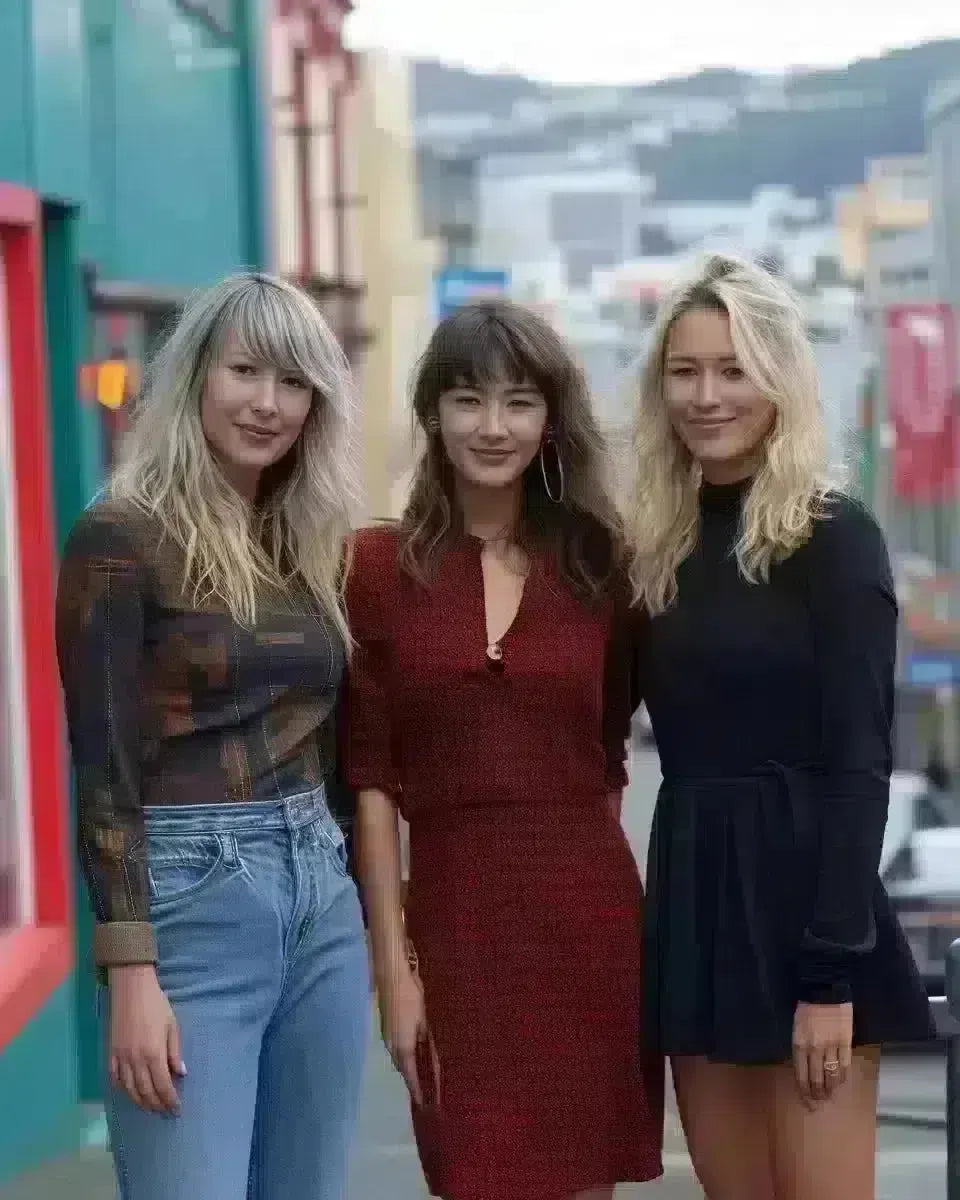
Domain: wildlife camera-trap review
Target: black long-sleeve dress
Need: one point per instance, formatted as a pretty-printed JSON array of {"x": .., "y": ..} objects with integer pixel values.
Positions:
[{"x": 772, "y": 707}]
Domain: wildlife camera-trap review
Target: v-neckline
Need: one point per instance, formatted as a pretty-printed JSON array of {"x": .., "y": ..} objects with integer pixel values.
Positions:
[{"x": 493, "y": 649}]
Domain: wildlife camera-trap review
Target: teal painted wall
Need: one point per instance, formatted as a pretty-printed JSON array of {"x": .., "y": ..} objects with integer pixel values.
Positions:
[
  {"x": 172, "y": 176},
  {"x": 38, "y": 1087},
  {"x": 59, "y": 98},
  {"x": 16, "y": 163}
]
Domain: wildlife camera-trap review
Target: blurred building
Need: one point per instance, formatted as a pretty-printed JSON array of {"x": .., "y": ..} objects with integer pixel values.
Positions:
[
  {"x": 316, "y": 198},
  {"x": 894, "y": 195},
  {"x": 131, "y": 171},
  {"x": 943, "y": 134},
  {"x": 399, "y": 265}
]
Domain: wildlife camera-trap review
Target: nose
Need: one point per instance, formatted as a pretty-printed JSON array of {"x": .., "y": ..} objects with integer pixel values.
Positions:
[
  {"x": 708, "y": 390},
  {"x": 492, "y": 423},
  {"x": 264, "y": 399}
]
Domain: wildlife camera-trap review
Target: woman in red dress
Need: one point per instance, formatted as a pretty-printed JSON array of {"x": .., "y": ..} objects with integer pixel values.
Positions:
[{"x": 487, "y": 702}]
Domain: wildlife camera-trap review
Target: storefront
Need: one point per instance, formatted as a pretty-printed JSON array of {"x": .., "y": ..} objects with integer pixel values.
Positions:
[{"x": 36, "y": 935}]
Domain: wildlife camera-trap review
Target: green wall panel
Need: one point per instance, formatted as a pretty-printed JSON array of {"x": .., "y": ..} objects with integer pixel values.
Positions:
[
  {"x": 76, "y": 428},
  {"x": 38, "y": 1086},
  {"x": 16, "y": 164},
  {"x": 169, "y": 159},
  {"x": 59, "y": 99}
]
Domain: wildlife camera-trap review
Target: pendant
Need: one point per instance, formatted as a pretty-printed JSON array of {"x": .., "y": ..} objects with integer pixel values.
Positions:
[{"x": 495, "y": 656}]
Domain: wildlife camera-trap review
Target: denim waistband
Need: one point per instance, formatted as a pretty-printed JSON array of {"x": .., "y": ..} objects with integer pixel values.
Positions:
[{"x": 291, "y": 812}]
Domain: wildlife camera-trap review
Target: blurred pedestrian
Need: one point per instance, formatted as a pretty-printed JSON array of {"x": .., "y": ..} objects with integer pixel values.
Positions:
[
  {"x": 776, "y": 965},
  {"x": 202, "y": 637},
  {"x": 488, "y": 700}
]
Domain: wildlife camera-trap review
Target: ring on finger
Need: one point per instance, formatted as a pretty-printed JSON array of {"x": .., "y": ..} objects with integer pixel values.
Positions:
[{"x": 831, "y": 1066}]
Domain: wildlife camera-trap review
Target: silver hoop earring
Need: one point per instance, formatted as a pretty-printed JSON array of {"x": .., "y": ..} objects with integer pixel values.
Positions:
[{"x": 558, "y": 498}]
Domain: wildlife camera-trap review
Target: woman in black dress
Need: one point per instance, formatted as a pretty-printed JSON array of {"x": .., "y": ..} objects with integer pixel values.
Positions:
[{"x": 776, "y": 968}]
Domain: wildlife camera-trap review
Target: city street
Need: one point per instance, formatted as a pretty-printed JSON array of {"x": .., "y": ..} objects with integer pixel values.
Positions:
[{"x": 911, "y": 1161}]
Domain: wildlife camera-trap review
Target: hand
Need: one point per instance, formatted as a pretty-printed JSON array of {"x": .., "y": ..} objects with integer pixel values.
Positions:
[
  {"x": 403, "y": 1023},
  {"x": 822, "y": 1036},
  {"x": 145, "y": 1052}
]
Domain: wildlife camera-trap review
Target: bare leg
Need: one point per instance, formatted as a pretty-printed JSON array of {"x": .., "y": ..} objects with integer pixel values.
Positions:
[
  {"x": 726, "y": 1120},
  {"x": 827, "y": 1154},
  {"x": 604, "y": 1193}
]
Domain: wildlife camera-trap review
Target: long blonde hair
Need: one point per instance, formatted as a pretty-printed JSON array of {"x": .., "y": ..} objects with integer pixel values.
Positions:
[
  {"x": 296, "y": 530},
  {"x": 786, "y": 495}
]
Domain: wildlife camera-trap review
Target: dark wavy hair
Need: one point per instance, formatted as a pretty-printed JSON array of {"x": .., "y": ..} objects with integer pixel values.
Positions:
[{"x": 482, "y": 344}]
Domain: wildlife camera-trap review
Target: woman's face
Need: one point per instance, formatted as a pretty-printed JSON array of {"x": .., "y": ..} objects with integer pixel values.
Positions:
[
  {"x": 492, "y": 434},
  {"x": 720, "y": 416},
  {"x": 252, "y": 413}
]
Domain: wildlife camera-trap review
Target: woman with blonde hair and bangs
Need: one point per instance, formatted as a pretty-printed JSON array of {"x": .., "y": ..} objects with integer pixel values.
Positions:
[
  {"x": 775, "y": 967},
  {"x": 202, "y": 639}
]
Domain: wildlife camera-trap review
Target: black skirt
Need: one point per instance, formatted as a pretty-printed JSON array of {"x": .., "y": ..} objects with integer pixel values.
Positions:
[{"x": 730, "y": 890}]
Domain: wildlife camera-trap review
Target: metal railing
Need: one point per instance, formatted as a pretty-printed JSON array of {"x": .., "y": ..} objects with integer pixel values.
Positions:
[{"x": 947, "y": 1011}]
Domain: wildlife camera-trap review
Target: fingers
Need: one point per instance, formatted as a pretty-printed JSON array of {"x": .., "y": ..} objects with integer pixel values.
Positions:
[
  {"x": 801, "y": 1070},
  {"x": 128, "y": 1082},
  {"x": 435, "y": 1061},
  {"x": 815, "y": 1077},
  {"x": 146, "y": 1079},
  {"x": 406, "y": 1064},
  {"x": 845, "y": 1058},
  {"x": 837, "y": 1060},
  {"x": 163, "y": 1085},
  {"x": 174, "y": 1052}
]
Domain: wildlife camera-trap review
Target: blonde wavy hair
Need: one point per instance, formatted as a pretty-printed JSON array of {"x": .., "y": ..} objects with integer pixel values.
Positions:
[
  {"x": 296, "y": 529},
  {"x": 482, "y": 344},
  {"x": 786, "y": 495}
]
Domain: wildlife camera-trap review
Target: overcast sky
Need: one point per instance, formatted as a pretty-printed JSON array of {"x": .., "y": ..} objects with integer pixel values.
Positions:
[{"x": 599, "y": 41}]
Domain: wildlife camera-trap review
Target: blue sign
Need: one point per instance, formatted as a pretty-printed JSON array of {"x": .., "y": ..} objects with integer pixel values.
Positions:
[
  {"x": 459, "y": 285},
  {"x": 932, "y": 670}
]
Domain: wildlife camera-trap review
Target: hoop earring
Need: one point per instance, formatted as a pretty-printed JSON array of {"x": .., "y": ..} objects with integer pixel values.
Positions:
[
  {"x": 558, "y": 498},
  {"x": 433, "y": 424}
]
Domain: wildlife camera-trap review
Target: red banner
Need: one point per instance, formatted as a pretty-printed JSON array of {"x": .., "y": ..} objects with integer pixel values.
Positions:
[{"x": 924, "y": 401}]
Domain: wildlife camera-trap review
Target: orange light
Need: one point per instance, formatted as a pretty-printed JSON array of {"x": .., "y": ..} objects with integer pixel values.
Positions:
[{"x": 112, "y": 384}]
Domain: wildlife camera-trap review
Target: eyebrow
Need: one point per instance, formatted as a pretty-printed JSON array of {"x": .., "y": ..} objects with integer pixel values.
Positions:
[{"x": 699, "y": 357}]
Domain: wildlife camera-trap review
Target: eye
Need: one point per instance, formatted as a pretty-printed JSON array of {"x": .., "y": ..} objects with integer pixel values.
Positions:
[
  {"x": 681, "y": 371},
  {"x": 733, "y": 373},
  {"x": 295, "y": 381},
  {"x": 468, "y": 398},
  {"x": 243, "y": 369}
]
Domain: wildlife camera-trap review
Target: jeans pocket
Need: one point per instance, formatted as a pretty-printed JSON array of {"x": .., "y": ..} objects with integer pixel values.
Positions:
[
  {"x": 181, "y": 867},
  {"x": 331, "y": 842}
]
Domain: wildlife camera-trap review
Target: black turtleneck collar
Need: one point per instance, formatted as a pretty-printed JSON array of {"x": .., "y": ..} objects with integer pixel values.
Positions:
[{"x": 723, "y": 497}]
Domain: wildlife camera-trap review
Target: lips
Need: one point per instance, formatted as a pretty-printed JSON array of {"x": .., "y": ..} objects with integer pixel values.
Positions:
[
  {"x": 260, "y": 435},
  {"x": 493, "y": 455},
  {"x": 711, "y": 426}
]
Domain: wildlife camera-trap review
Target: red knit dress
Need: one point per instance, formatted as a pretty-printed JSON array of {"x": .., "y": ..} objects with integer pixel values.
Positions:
[{"x": 525, "y": 903}]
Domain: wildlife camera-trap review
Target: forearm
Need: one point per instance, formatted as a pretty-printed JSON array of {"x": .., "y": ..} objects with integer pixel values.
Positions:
[
  {"x": 378, "y": 867},
  {"x": 615, "y": 803}
]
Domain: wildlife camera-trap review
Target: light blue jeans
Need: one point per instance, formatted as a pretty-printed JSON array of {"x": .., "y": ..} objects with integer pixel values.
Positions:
[{"x": 263, "y": 956}]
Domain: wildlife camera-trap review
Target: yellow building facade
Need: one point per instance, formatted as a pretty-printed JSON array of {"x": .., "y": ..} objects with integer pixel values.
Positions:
[
  {"x": 398, "y": 267},
  {"x": 895, "y": 195}
]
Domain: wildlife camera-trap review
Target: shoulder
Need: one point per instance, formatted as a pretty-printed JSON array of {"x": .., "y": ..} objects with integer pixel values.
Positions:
[
  {"x": 847, "y": 543},
  {"x": 375, "y": 546},
  {"x": 111, "y": 530},
  {"x": 372, "y": 567}
]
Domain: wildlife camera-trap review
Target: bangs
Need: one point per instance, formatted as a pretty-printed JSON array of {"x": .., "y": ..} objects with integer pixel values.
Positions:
[
  {"x": 279, "y": 330},
  {"x": 474, "y": 348}
]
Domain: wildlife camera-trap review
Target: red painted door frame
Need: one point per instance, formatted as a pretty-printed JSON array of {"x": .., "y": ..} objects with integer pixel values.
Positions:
[{"x": 35, "y": 959}]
